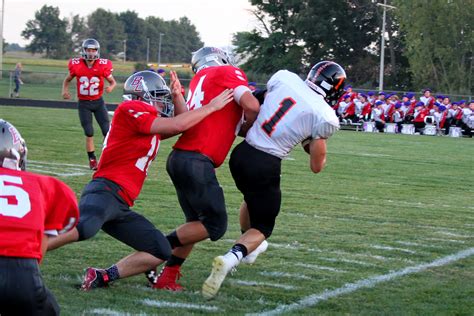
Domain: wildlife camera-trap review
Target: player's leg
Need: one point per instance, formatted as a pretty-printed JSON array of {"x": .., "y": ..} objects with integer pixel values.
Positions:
[
  {"x": 85, "y": 117},
  {"x": 102, "y": 116}
]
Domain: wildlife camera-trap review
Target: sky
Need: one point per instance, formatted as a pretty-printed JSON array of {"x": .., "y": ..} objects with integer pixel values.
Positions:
[{"x": 215, "y": 20}]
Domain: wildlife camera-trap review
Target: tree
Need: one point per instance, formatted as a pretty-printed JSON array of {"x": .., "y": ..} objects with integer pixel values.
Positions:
[
  {"x": 296, "y": 34},
  {"x": 439, "y": 43},
  {"x": 134, "y": 28},
  {"x": 78, "y": 31},
  {"x": 48, "y": 32},
  {"x": 107, "y": 28}
]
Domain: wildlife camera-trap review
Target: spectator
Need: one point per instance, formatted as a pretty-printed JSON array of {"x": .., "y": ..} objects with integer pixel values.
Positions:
[
  {"x": 419, "y": 116},
  {"x": 427, "y": 98},
  {"x": 468, "y": 119},
  {"x": 378, "y": 116},
  {"x": 252, "y": 86},
  {"x": 17, "y": 80},
  {"x": 161, "y": 72}
]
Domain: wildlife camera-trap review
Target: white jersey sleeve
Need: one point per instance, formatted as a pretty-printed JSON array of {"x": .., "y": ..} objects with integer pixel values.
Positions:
[{"x": 291, "y": 112}]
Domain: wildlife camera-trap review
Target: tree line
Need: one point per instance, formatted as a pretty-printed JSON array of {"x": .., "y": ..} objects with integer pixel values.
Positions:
[{"x": 428, "y": 43}]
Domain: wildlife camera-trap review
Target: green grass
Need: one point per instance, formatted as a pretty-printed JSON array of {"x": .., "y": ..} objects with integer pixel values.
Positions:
[{"x": 383, "y": 203}]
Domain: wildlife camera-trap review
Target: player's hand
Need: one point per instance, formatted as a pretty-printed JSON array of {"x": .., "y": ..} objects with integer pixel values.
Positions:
[
  {"x": 66, "y": 95},
  {"x": 222, "y": 99},
  {"x": 108, "y": 89},
  {"x": 175, "y": 84}
]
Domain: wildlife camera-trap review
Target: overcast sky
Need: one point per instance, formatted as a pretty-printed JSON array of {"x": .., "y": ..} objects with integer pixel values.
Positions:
[{"x": 215, "y": 20}]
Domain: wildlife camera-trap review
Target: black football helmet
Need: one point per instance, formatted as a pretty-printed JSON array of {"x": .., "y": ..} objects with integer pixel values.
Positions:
[
  {"x": 209, "y": 56},
  {"x": 90, "y": 43},
  {"x": 327, "y": 78},
  {"x": 13, "y": 149},
  {"x": 149, "y": 87}
]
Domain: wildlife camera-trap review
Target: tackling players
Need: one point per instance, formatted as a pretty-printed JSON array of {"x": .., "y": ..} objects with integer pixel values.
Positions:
[
  {"x": 32, "y": 208},
  {"x": 137, "y": 127},
  {"x": 90, "y": 71},
  {"x": 294, "y": 111}
]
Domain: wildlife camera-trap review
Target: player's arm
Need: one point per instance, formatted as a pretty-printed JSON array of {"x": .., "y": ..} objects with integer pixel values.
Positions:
[
  {"x": 112, "y": 83},
  {"x": 65, "y": 92},
  {"x": 251, "y": 107},
  {"x": 178, "y": 99},
  {"x": 174, "y": 125},
  {"x": 317, "y": 151}
]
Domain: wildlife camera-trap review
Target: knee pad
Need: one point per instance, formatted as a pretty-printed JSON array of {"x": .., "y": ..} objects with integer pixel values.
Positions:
[{"x": 216, "y": 226}]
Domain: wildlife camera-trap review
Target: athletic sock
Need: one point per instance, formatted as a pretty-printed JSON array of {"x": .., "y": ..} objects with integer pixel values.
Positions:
[
  {"x": 175, "y": 261},
  {"x": 91, "y": 155},
  {"x": 113, "y": 273}
]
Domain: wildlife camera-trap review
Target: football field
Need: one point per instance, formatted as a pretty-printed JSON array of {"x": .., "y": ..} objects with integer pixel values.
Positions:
[{"x": 386, "y": 229}]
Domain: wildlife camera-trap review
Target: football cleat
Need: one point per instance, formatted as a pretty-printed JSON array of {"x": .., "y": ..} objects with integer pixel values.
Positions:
[
  {"x": 167, "y": 279},
  {"x": 251, "y": 257},
  {"x": 93, "y": 164},
  {"x": 151, "y": 276},
  {"x": 221, "y": 266},
  {"x": 94, "y": 278}
]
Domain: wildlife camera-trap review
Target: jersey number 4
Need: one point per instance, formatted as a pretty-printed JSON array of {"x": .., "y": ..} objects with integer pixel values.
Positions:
[
  {"x": 270, "y": 124},
  {"x": 89, "y": 86},
  {"x": 14, "y": 201}
]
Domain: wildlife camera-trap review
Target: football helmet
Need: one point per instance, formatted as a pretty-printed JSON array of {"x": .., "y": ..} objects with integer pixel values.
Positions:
[
  {"x": 149, "y": 87},
  {"x": 209, "y": 56},
  {"x": 12, "y": 147},
  {"x": 90, "y": 43},
  {"x": 327, "y": 78}
]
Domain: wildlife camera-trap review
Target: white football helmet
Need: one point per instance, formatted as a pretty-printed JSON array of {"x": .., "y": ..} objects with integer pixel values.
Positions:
[{"x": 13, "y": 149}]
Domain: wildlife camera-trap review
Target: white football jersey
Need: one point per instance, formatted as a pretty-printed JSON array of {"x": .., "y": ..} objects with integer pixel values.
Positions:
[{"x": 291, "y": 113}]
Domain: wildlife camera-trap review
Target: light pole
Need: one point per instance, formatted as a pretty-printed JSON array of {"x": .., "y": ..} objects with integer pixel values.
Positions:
[
  {"x": 382, "y": 43},
  {"x": 147, "y": 50},
  {"x": 159, "y": 49}
]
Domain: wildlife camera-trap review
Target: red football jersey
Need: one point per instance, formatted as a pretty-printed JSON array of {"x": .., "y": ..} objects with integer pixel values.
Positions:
[
  {"x": 90, "y": 81},
  {"x": 214, "y": 135},
  {"x": 31, "y": 204},
  {"x": 129, "y": 148}
]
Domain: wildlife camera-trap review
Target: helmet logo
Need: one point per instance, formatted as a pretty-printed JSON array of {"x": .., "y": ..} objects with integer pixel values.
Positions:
[
  {"x": 15, "y": 135},
  {"x": 137, "y": 83}
]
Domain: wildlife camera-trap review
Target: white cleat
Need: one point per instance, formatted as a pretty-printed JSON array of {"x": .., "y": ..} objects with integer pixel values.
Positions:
[
  {"x": 220, "y": 268},
  {"x": 251, "y": 257}
]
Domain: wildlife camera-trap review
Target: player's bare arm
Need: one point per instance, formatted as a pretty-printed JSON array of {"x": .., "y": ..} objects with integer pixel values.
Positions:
[
  {"x": 65, "y": 92},
  {"x": 251, "y": 107},
  {"x": 175, "y": 125},
  {"x": 112, "y": 83},
  {"x": 178, "y": 99},
  {"x": 317, "y": 152}
]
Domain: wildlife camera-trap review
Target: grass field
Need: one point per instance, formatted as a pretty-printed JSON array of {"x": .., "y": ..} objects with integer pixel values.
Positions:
[{"x": 386, "y": 229}]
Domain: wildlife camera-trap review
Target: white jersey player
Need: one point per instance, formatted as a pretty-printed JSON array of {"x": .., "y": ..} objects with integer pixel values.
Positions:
[{"x": 293, "y": 111}]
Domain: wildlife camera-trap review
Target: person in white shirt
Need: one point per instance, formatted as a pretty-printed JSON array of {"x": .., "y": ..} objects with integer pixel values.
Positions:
[{"x": 293, "y": 112}]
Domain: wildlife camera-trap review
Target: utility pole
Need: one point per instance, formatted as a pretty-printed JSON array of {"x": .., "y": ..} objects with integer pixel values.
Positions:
[
  {"x": 1, "y": 39},
  {"x": 382, "y": 43},
  {"x": 124, "y": 50},
  {"x": 159, "y": 50},
  {"x": 147, "y": 50}
]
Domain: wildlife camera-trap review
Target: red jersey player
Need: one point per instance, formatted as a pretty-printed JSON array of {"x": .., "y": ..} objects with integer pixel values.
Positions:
[
  {"x": 201, "y": 149},
  {"x": 130, "y": 147},
  {"x": 31, "y": 208},
  {"x": 90, "y": 71}
]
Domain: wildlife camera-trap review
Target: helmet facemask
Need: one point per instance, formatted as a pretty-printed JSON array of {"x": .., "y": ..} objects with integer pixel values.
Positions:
[{"x": 88, "y": 44}]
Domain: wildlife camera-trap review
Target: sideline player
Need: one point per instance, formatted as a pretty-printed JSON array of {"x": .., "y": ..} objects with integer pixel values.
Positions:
[
  {"x": 137, "y": 127},
  {"x": 90, "y": 71},
  {"x": 32, "y": 208},
  {"x": 191, "y": 165},
  {"x": 294, "y": 111}
]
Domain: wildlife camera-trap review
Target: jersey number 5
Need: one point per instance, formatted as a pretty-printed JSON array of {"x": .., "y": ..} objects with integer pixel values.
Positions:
[
  {"x": 89, "y": 86},
  {"x": 270, "y": 124},
  {"x": 14, "y": 201}
]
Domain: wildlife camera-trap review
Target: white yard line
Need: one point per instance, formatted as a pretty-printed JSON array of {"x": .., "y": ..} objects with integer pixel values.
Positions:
[
  {"x": 277, "y": 274},
  {"x": 155, "y": 303},
  {"x": 318, "y": 267},
  {"x": 314, "y": 299},
  {"x": 111, "y": 312},
  {"x": 267, "y": 284},
  {"x": 392, "y": 248}
]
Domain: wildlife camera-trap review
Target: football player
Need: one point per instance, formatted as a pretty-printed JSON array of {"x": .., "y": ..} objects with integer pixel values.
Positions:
[
  {"x": 199, "y": 151},
  {"x": 32, "y": 208},
  {"x": 90, "y": 71},
  {"x": 294, "y": 111},
  {"x": 137, "y": 127}
]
